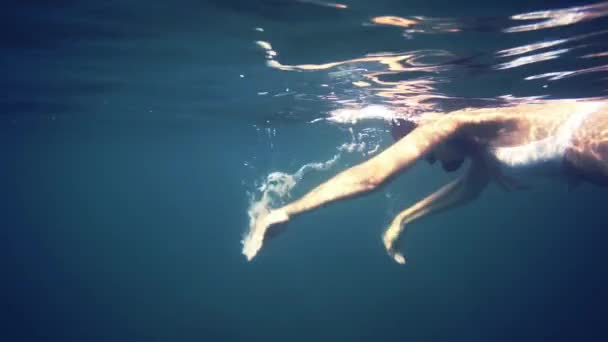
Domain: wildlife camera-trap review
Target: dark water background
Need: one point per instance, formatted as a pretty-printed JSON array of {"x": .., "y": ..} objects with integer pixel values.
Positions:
[{"x": 124, "y": 132}]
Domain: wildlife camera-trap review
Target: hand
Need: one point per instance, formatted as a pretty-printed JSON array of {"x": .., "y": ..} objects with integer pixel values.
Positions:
[
  {"x": 390, "y": 239},
  {"x": 261, "y": 229}
]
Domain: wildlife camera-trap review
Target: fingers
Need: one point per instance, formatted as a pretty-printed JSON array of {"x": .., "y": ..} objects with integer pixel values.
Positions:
[
  {"x": 399, "y": 258},
  {"x": 390, "y": 239},
  {"x": 251, "y": 246},
  {"x": 265, "y": 228}
]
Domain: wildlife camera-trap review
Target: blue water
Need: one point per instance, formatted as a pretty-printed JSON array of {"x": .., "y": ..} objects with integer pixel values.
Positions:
[{"x": 133, "y": 135}]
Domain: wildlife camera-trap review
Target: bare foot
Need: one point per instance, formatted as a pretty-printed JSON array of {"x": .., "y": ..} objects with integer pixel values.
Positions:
[
  {"x": 390, "y": 238},
  {"x": 255, "y": 239}
]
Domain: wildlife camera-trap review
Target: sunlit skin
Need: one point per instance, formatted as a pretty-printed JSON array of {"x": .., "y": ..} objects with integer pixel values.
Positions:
[
  {"x": 488, "y": 130},
  {"x": 394, "y": 21}
]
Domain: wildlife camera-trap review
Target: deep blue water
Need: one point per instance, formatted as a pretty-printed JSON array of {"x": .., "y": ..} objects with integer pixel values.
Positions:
[{"x": 129, "y": 145}]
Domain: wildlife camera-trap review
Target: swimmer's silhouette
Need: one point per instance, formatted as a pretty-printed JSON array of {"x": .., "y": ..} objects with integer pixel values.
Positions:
[{"x": 569, "y": 137}]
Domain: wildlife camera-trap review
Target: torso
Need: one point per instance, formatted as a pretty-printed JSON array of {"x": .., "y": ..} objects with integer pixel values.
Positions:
[
  {"x": 537, "y": 141},
  {"x": 545, "y": 154}
]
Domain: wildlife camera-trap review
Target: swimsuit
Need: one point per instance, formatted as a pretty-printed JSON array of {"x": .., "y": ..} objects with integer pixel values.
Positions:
[{"x": 546, "y": 155}]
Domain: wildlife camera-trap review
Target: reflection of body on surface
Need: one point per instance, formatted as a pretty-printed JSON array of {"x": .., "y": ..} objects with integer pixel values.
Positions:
[{"x": 567, "y": 136}]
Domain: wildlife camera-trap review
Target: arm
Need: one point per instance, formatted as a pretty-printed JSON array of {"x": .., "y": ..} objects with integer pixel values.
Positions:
[
  {"x": 460, "y": 191},
  {"x": 368, "y": 175},
  {"x": 356, "y": 180}
]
